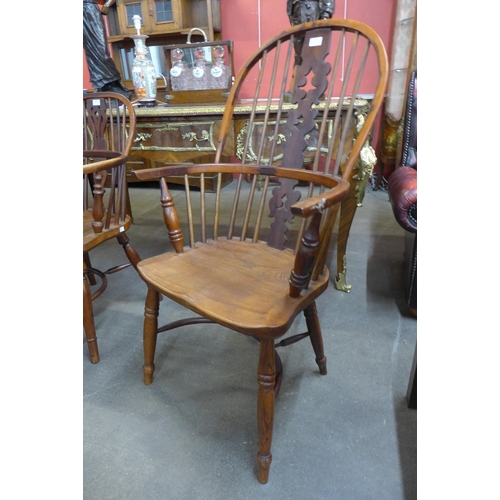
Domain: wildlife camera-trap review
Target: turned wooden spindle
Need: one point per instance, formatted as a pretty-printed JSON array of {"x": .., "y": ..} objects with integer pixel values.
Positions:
[
  {"x": 98, "y": 207},
  {"x": 171, "y": 219}
]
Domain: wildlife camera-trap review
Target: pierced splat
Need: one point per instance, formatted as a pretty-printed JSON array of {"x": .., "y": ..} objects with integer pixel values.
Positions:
[
  {"x": 280, "y": 205},
  {"x": 301, "y": 120},
  {"x": 96, "y": 122},
  {"x": 310, "y": 74}
]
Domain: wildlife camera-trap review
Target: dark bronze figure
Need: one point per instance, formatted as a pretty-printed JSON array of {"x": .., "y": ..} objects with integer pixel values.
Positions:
[
  {"x": 104, "y": 74},
  {"x": 303, "y": 11}
]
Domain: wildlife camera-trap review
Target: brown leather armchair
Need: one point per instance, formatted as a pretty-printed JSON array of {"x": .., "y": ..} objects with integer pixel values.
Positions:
[{"x": 402, "y": 189}]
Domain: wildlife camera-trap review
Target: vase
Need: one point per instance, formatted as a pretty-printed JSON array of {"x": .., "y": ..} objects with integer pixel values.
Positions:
[{"x": 143, "y": 70}]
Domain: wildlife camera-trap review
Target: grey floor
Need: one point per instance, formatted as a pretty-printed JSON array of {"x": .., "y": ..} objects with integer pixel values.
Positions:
[{"x": 192, "y": 433}]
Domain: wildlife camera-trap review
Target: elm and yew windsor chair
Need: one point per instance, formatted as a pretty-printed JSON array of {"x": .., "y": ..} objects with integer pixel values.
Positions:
[
  {"x": 108, "y": 132},
  {"x": 254, "y": 267}
]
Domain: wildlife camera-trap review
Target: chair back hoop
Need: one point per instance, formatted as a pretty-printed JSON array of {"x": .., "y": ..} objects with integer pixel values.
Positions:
[
  {"x": 109, "y": 125},
  {"x": 311, "y": 95},
  {"x": 318, "y": 83}
]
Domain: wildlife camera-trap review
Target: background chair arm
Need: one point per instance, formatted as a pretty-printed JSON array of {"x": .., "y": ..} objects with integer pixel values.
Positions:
[{"x": 113, "y": 159}]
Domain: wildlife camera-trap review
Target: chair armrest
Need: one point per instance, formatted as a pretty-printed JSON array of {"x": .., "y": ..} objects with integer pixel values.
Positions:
[
  {"x": 309, "y": 251},
  {"x": 112, "y": 159},
  {"x": 403, "y": 197}
]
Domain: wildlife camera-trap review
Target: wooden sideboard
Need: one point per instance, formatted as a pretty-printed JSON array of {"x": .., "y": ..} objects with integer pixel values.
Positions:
[{"x": 168, "y": 134}]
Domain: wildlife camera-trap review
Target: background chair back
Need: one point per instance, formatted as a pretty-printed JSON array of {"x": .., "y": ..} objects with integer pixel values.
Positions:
[{"x": 109, "y": 123}]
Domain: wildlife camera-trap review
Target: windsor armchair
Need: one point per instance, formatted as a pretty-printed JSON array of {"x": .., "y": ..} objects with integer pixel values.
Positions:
[
  {"x": 108, "y": 133},
  {"x": 256, "y": 265}
]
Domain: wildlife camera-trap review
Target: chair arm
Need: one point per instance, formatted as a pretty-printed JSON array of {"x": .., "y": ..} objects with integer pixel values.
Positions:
[
  {"x": 151, "y": 174},
  {"x": 403, "y": 197},
  {"x": 322, "y": 201},
  {"x": 113, "y": 159}
]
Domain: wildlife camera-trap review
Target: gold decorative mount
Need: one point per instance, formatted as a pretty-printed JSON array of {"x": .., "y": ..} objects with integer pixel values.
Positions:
[
  {"x": 241, "y": 108},
  {"x": 365, "y": 164},
  {"x": 340, "y": 281},
  {"x": 202, "y": 133}
]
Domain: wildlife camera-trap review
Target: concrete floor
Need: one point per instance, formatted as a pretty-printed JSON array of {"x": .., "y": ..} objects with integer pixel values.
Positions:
[{"x": 192, "y": 433}]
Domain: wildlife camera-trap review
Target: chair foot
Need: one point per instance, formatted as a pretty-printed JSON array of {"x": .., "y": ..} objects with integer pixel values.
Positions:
[
  {"x": 93, "y": 351},
  {"x": 316, "y": 337},
  {"x": 148, "y": 373},
  {"x": 263, "y": 465},
  {"x": 322, "y": 365}
]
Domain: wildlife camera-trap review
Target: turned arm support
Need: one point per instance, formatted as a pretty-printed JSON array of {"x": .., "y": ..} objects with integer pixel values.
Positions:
[
  {"x": 305, "y": 258},
  {"x": 171, "y": 218},
  {"x": 99, "y": 170}
]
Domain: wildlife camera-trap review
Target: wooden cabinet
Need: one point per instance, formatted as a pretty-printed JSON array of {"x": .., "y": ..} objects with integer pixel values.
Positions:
[
  {"x": 157, "y": 16},
  {"x": 165, "y": 16},
  {"x": 178, "y": 134},
  {"x": 188, "y": 134},
  {"x": 165, "y": 22}
]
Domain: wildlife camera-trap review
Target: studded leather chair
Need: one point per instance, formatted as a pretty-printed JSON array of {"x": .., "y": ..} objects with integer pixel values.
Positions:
[{"x": 403, "y": 192}]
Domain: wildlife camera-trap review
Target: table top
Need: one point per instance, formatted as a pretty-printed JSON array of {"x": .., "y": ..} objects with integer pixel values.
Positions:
[{"x": 218, "y": 109}]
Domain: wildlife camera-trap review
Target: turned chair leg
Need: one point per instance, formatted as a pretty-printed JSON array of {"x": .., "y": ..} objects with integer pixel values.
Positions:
[
  {"x": 88, "y": 322},
  {"x": 314, "y": 328},
  {"x": 130, "y": 251},
  {"x": 265, "y": 407},
  {"x": 151, "y": 311},
  {"x": 87, "y": 264}
]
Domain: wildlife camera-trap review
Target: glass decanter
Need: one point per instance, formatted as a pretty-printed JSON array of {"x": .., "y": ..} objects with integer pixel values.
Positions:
[
  {"x": 218, "y": 69},
  {"x": 143, "y": 70}
]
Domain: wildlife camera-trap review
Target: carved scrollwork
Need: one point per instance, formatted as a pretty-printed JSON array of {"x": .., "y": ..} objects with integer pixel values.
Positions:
[
  {"x": 176, "y": 137},
  {"x": 280, "y": 138},
  {"x": 142, "y": 137},
  {"x": 191, "y": 136},
  {"x": 240, "y": 145}
]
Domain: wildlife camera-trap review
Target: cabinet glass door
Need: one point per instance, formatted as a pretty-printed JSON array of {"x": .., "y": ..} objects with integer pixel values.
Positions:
[
  {"x": 156, "y": 15},
  {"x": 163, "y": 11}
]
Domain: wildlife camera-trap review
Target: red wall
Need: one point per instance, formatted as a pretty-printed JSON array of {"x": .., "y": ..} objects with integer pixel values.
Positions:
[{"x": 249, "y": 22}]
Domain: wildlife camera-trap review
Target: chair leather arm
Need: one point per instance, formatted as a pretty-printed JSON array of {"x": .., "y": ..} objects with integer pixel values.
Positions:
[{"x": 403, "y": 197}]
